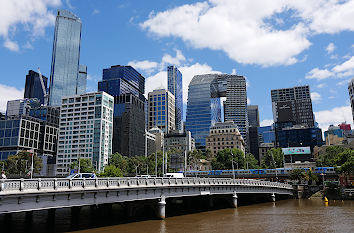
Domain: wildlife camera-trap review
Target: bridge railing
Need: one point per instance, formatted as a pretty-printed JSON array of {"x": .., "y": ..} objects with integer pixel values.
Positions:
[{"x": 57, "y": 184}]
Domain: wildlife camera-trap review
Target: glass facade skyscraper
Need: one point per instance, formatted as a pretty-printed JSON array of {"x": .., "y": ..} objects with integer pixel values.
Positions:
[
  {"x": 119, "y": 80},
  {"x": 203, "y": 108},
  {"x": 33, "y": 87},
  {"x": 65, "y": 58},
  {"x": 82, "y": 80},
  {"x": 174, "y": 79}
]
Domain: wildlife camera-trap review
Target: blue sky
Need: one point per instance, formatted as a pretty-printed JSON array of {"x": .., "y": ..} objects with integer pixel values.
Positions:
[{"x": 275, "y": 44}]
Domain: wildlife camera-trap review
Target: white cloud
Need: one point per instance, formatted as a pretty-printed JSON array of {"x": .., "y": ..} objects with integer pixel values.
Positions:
[
  {"x": 266, "y": 122},
  {"x": 248, "y": 101},
  {"x": 321, "y": 85},
  {"x": 244, "y": 30},
  {"x": 8, "y": 93},
  {"x": 168, "y": 59},
  {"x": 330, "y": 48},
  {"x": 147, "y": 66},
  {"x": 316, "y": 97},
  {"x": 345, "y": 66},
  {"x": 334, "y": 116},
  {"x": 32, "y": 14},
  {"x": 319, "y": 74},
  {"x": 343, "y": 82},
  {"x": 95, "y": 12},
  {"x": 11, "y": 45}
]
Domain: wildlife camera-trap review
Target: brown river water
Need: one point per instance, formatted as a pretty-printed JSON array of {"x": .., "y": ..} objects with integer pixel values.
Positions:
[{"x": 282, "y": 216}]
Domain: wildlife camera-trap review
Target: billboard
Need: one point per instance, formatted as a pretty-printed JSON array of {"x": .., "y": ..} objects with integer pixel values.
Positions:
[
  {"x": 296, "y": 150},
  {"x": 284, "y": 111}
]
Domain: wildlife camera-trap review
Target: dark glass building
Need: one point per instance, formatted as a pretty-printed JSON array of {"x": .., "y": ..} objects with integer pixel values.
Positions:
[
  {"x": 266, "y": 134},
  {"x": 299, "y": 137},
  {"x": 127, "y": 86},
  {"x": 65, "y": 58},
  {"x": 33, "y": 86},
  {"x": 174, "y": 83},
  {"x": 253, "y": 120},
  {"x": 119, "y": 80},
  {"x": 128, "y": 125}
]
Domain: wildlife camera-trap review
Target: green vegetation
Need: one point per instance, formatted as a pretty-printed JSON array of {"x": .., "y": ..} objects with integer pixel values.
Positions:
[
  {"x": 273, "y": 159},
  {"x": 336, "y": 156},
  {"x": 20, "y": 164},
  {"x": 224, "y": 157},
  {"x": 85, "y": 166},
  {"x": 111, "y": 171}
]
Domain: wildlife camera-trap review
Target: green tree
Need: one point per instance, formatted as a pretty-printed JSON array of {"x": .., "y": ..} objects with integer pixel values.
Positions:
[
  {"x": 251, "y": 161},
  {"x": 20, "y": 164},
  {"x": 297, "y": 174},
  {"x": 347, "y": 167},
  {"x": 119, "y": 161},
  {"x": 111, "y": 171},
  {"x": 194, "y": 157},
  {"x": 273, "y": 159},
  {"x": 310, "y": 176},
  {"x": 85, "y": 165},
  {"x": 330, "y": 157},
  {"x": 224, "y": 158}
]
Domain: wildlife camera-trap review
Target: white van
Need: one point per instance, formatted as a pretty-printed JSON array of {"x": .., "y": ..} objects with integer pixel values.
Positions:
[{"x": 175, "y": 175}]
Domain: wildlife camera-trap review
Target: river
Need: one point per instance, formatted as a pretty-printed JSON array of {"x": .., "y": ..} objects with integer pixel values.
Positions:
[{"x": 282, "y": 216}]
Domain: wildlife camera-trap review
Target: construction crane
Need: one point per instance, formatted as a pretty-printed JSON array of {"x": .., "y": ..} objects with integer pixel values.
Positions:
[{"x": 45, "y": 95}]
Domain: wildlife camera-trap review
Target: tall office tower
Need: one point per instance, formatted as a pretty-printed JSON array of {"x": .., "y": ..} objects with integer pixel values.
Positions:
[
  {"x": 204, "y": 107},
  {"x": 127, "y": 86},
  {"x": 292, "y": 105},
  {"x": 162, "y": 110},
  {"x": 81, "y": 80},
  {"x": 351, "y": 95},
  {"x": 235, "y": 106},
  {"x": 85, "y": 130},
  {"x": 33, "y": 86},
  {"x": 253, "y": 119},
  {"x": 119, "y": 80},
  {"x": 65, "y": 58},
  {"x": 174, "y": 78},
  {"x": 128, "y": 125}
]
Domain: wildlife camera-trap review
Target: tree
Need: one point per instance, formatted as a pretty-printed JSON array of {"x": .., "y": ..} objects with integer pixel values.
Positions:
[
  {"x": 251, "y": 161},
  {"x": 194, "y": 157},
  {"x": 111, "y": 171},
  {"x": 273, "y": 159},
  {"x": 85, "y": 165},
  {"x": 310, "y": 176},
  {"x": 330, "y": 157},
  {"x": 347, "y": 167},
  {"x": 297, "y": 174},
  {"x": 20, "y": 164},
  {"x": 224, "y": 158}
]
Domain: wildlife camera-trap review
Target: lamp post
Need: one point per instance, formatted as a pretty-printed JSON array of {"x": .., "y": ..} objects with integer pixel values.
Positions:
[{"x": 233, "y": 170}]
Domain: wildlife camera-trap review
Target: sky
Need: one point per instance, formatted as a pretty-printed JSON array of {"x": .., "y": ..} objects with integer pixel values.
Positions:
[{"x": 273, "y": 43}]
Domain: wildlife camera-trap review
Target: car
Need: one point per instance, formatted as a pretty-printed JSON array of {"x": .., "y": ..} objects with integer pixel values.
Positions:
[
  {"x": 82, "y": 175},
  {"x": 143, "y": 176}
]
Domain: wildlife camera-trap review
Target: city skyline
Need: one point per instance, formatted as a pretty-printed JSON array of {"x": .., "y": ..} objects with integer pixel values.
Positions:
[{"x": 320, "y": 57}]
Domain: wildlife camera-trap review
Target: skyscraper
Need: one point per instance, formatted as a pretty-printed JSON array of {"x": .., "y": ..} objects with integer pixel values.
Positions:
[
  {"x": 253, "y": 115},
  {"x": 351, "y": 95},
  {"x": 81, "y": 80},
  {"x": 119, "y": 80},
  {"x": 33, "y": 87},
  {"x": 174, "y": 78},
  {"x": 162, "y": 110},
  {"x": 293, "y": 105},
  {"x": 204, "y": 106},
  {"x": 127, "y": 86},
  {"x": 253, "y": 119},
  {"x": 65, "y": 58}
]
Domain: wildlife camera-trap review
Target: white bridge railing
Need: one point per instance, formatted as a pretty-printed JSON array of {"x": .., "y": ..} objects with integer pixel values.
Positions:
[{"x": 8, "y": 186}]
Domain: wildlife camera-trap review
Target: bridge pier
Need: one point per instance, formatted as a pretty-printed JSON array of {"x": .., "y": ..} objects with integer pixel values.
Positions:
[
  {"x": 272, "y": 197},
  {"x": 234, "y": 200},
  {"x": 161, "y": 208},
  {"x": 211, "y": 201}
]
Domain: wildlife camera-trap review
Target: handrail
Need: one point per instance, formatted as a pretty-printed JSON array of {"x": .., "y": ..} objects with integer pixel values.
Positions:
[{"x": 65, "y": 184}]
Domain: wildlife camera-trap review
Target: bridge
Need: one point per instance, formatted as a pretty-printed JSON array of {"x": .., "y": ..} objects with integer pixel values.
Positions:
[{"x": 26, "y": 195}]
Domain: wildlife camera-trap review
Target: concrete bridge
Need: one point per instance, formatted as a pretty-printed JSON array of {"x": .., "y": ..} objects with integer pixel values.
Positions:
[{"x": 27, "y": 195}]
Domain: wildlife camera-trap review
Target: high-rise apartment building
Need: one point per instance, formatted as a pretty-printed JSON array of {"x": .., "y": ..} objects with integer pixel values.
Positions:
[
  {"x": 64, "y": 76},
  {"x": 86, "y": 129},
  {"x": 293, "y": 105},
  {"x": 204, "y": 106},
  {"x": 33, "y": 86},
  {"x": 224, "y": 135},
  {"x": 128, "y": 125},
  {"x": 119, "y": 80},
  {"x": 162, "y": 110},
  {"x": 351, "y": 95},
  {"x": 174, "y": 83}
]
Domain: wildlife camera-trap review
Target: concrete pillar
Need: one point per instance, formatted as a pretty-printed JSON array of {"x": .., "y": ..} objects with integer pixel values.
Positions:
[
  {"x": 234, "y": 200},
  {"x": 273, "y": 197},
  {"x": 211, "y": 201},
  {"x": 161, "y": 208}
]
